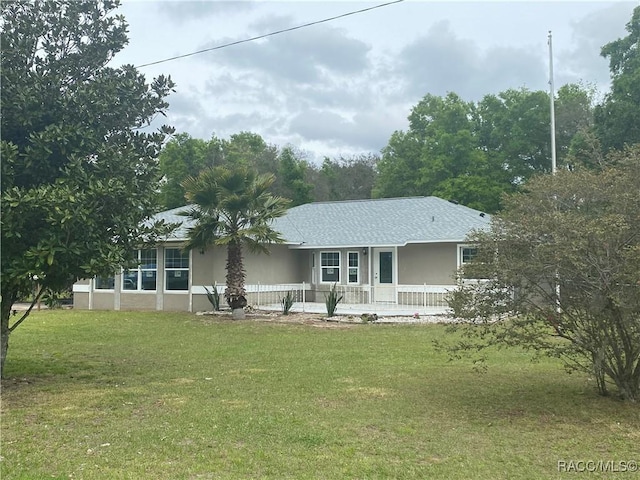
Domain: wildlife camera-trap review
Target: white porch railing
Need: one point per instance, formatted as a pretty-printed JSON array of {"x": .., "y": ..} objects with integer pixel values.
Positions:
[
  {"x": 259, "y": 295},
  {"x": 426, "y": 296}
]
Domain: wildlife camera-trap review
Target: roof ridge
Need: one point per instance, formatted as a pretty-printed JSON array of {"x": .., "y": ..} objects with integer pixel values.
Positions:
[{"x": 368, "y": 200}]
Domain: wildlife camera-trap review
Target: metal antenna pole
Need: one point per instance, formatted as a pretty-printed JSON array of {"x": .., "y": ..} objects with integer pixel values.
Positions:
[{"x": 553, "y": 112}]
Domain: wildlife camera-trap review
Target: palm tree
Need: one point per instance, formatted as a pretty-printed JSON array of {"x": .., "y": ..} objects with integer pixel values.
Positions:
[{"x": 232, "y": 207}]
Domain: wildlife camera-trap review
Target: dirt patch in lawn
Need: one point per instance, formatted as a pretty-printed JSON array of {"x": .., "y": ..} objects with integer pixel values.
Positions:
[
  {"x": 312, "y": 319},
  {"x": 319, "y": 320}
]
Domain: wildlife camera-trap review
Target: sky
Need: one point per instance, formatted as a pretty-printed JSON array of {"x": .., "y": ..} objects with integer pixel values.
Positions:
[{"x": 341, "y": 88}]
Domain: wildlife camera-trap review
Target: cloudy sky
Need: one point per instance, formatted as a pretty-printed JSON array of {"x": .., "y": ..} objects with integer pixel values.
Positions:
[{"x": 344, "y": 86}]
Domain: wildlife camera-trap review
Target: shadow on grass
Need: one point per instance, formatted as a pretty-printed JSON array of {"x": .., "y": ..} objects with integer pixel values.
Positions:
[{"x": 546, "y": 393}]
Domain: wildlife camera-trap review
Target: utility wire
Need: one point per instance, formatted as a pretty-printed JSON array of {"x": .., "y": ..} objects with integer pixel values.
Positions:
[{"x": 269, "y": 34}]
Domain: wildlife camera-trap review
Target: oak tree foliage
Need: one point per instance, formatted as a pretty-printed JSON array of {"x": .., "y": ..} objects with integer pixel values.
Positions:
[
  {"x": 344, "y": 178},
  {"x": 618, "y": 117}
]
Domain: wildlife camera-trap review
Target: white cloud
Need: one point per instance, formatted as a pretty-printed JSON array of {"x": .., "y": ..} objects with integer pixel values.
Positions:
[{"x": 589, "y": 34}]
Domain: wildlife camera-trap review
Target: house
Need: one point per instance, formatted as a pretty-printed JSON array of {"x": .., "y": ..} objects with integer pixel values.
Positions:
[{"x": 384, "y": 251}]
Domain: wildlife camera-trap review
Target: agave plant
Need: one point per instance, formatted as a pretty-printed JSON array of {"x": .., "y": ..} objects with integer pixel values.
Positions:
[
  {"x": 332, "y": 300},
  {"x": 213, "y": 297},
  {"x": 287, "y": 302}
]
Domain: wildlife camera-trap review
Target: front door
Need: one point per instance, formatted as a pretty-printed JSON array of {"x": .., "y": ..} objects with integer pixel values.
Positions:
[{"x": 383, "y": 272}]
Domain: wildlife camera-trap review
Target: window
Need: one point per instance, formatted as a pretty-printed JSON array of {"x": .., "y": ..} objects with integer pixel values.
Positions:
[
  {"x": 354, "y": 267},
  {"x": 330, "y": 266},
  {"x": 143, "y": 277},
  {"x": 176, "y": 269},
  {"x": 467, "y": 254},
  {"x": 104, "y": 283}
]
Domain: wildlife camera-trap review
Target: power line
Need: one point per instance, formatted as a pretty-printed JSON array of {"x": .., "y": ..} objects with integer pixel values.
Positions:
[{"x": 269, "y": 34}]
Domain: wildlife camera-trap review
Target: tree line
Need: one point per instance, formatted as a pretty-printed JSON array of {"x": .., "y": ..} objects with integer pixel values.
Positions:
[{"x": 301, "y": 181}]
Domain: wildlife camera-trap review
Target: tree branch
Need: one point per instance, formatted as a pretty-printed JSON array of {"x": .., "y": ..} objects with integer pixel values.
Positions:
[{"x": 26, "y": 314}]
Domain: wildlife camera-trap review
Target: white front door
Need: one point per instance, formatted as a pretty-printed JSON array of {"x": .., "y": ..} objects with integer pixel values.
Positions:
[{"x": 384, "y": 283}]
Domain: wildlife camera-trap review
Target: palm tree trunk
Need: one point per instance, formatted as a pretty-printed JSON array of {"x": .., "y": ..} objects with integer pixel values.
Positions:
[{"x": 235, "y": 293}]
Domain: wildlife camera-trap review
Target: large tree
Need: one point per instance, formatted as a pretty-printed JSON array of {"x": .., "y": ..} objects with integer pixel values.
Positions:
[
  {"x": 233, "y": 208},
  {"x": 515, "y": 126},
  {"x": 475, "y": 152},
  {"x": 185, "y": 156},
  {"x": 291, "y": 180},
  {"x": 561, "y": 270},
  {"x": 344, "y": 178},
  {"x": 78, "y": 174},
  {"x": 441, "y": 155},
  {"x": 182, "y": 157},
  {"x": 618, "y": 118}
]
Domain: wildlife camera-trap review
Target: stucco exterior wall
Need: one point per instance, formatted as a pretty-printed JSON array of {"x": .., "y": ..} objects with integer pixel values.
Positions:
[
  {"x": 81, "y": 301},
  {"x": 417, "y": 264},
  {"x": 138, "y": 301},
  {"x": 200, "y": 303},
  {"x": 430, "y": 263},
  {"x": 103, "y": 300},
  {"x": 208, "y": 267},
  {"x": 176, "y": 302},
  {"x": 282, "y": 265}
]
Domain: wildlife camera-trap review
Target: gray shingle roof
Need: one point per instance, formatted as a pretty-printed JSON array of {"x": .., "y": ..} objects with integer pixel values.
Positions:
[
  {"x": 361, "y": 223},
  {"x": 174, "y": 216}
]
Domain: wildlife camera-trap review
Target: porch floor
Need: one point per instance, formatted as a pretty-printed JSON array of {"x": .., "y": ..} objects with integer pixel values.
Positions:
[{"x": 380, "y": 309}]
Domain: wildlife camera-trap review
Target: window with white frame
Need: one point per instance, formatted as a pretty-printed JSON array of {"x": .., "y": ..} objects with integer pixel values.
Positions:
[
  {"x": 466, "y": 254},
  {"x": 104, "y": 283},
  {"x": 354, "y": 267},
  {"x": 330, "y": 267},
  {"x": 176, "y": 269},
  {"x": 144, "y": 276}
]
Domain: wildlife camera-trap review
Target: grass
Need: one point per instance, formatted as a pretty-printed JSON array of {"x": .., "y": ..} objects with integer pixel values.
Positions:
[{"x": 119, "y": 395}]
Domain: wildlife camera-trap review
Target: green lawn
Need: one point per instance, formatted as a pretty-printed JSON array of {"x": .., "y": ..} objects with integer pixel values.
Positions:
[{"x": 106, "y": 395}]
